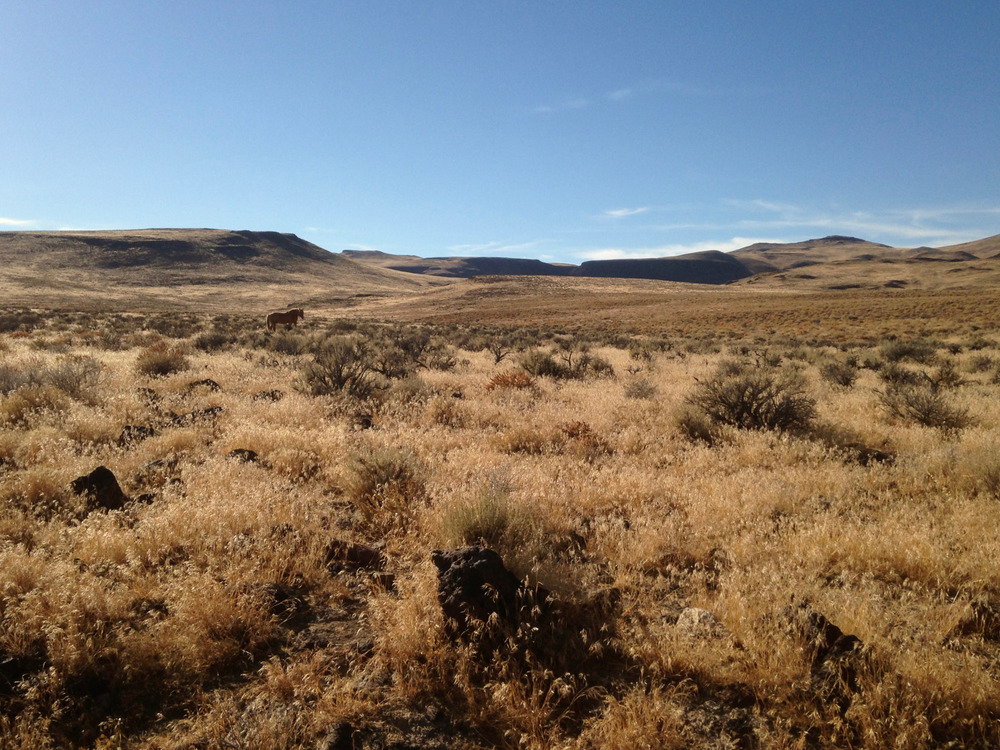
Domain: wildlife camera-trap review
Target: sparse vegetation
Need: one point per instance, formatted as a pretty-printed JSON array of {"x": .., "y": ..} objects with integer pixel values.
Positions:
[{"x": 690, "y": 540}]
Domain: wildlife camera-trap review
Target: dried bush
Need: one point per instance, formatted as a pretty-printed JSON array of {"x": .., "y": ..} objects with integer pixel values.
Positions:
[
  {"x": 524, "y": 440},
  {"x": 489, "y": 518},
  {"x": 981, "y": 363},
  {"x": 946, "y": 376},
  {"x": 541, "y": 364},
  {"x": 640, "y": 389},
  {"x": 915, "y": 350},
  {"x": 19, "y": 321},
  {"x": 697, "y": 426},
  {"x": 159, "y": 360},
  {"x": 13, "y": 377},
  {"x": 77, "y": 376},
  {"x": 212, "y": 341},
  {"x": 22, "y": 406},
  {"x": 384, "y": 484},
  {"x": 755, "y": 399},
  {"x": 288, "y": 343},
  {"x": 512, "y": 380},
  {"x": 839, "y": 373},
  {"x": 924, "y": 405},
  {"x": 342, "y": 365},
  {"x": 896, "y": 375}
]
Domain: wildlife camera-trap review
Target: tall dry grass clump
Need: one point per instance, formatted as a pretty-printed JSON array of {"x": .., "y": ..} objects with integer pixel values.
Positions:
[{"x": 161, "y": 359}]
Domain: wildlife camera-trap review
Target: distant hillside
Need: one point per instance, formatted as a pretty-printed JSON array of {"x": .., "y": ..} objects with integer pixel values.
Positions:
[
  {"x": 765, "y": 257},
  {"x": 698, "y": 268},
  {"x": 458, "y": 267},
  {"x": 264, "y": 268},
  {"x": 834, "y": 263},
  {"x": 712, "y": 267}
]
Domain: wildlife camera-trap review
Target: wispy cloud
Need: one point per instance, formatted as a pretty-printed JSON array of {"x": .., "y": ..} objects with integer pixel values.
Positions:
[
  {"x": 632, "y": 91},
  {"x": 492, "y": 248},
  {"x": 666, "y": 251},
  {"x": 942, "y": 225},
  {"x": 6, "y": 222},
  {"x": 566, "y": 104},
  {"x": 621, "y": 213}
]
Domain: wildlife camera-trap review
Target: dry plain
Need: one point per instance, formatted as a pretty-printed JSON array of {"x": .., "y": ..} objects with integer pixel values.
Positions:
[{"x": 743, "y": 516}]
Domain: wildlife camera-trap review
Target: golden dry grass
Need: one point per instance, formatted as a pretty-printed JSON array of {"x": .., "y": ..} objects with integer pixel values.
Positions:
[{"x": 210, "y": 612}]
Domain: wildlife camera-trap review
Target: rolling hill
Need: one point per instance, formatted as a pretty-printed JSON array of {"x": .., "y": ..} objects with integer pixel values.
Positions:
[
  {"x": 221, "y": 270},
  {"x": 171, "y": 268},
  {"x": 832, "y": 263}
]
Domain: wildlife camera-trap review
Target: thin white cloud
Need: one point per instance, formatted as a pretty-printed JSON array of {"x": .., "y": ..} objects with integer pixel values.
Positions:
[
  {"x": 621, "y": 213},
  {"x": 7, "y": 222},
  {"x": 667, "y": 251},
  {"x": 621, "y": 94},
  {"x": 943, "y": 225},
  {"x": 491, "y": 248},
  {"x": 568, "y": 104}
]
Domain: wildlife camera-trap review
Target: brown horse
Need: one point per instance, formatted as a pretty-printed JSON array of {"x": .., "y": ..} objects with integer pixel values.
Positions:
[{"x": 289, "y": 318}]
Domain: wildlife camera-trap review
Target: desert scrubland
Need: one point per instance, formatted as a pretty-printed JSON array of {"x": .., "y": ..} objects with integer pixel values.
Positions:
[{"x": 728, "y": 535}]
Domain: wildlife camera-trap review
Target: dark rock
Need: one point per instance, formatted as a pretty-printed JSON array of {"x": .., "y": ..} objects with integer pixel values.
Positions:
[
  {"x": 836, "y": 656},
  {"x": 341, "y": 555},
  {"x": 340, "y": 737},
  {"x": 204, "y": 383},
  {"x": 386, "y": 581},
  {"x": 14, "y": 668},
  {"x": 473, "y": 586},
  {"x": 135, "y": 433},
  {"x": 101, "y": 489},
  {"x": 867, "y": 456},
  {"x": 207, "y": 414},
  {"x": 283, "y": 601},
  {"x": 158, "y": 472},
  {"x": 699, "y": 623},
  {"x": 274, "y": 395},
  {"x": 149, "y": 395},
  {"x": 243, "y": 456}
]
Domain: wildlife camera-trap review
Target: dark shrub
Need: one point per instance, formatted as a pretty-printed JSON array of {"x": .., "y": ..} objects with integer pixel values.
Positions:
[
  {"x": 839, "y": 373},
  {"x": 211, "y": 341},
  {"x": 923, "y": 404},
  {"x": 342, "y": 365},
  {"x": 755, "y": 399},
  {"x": 159, "y": 360},
  {"x": 915, "y": 350},
  {"x": 541, "y": 364}
]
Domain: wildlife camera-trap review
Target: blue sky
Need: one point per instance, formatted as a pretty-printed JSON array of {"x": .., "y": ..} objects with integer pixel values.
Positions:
[{"x": 548, "y": 129}]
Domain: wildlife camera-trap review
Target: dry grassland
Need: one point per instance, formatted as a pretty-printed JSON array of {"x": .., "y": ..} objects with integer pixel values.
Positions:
[
  {"x": 733, "y": 312},
  {"x": 695, "y": 569}
]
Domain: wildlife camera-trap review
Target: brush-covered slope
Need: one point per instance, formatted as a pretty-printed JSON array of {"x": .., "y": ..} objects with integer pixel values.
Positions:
[{"x": 104, "y": 267}]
